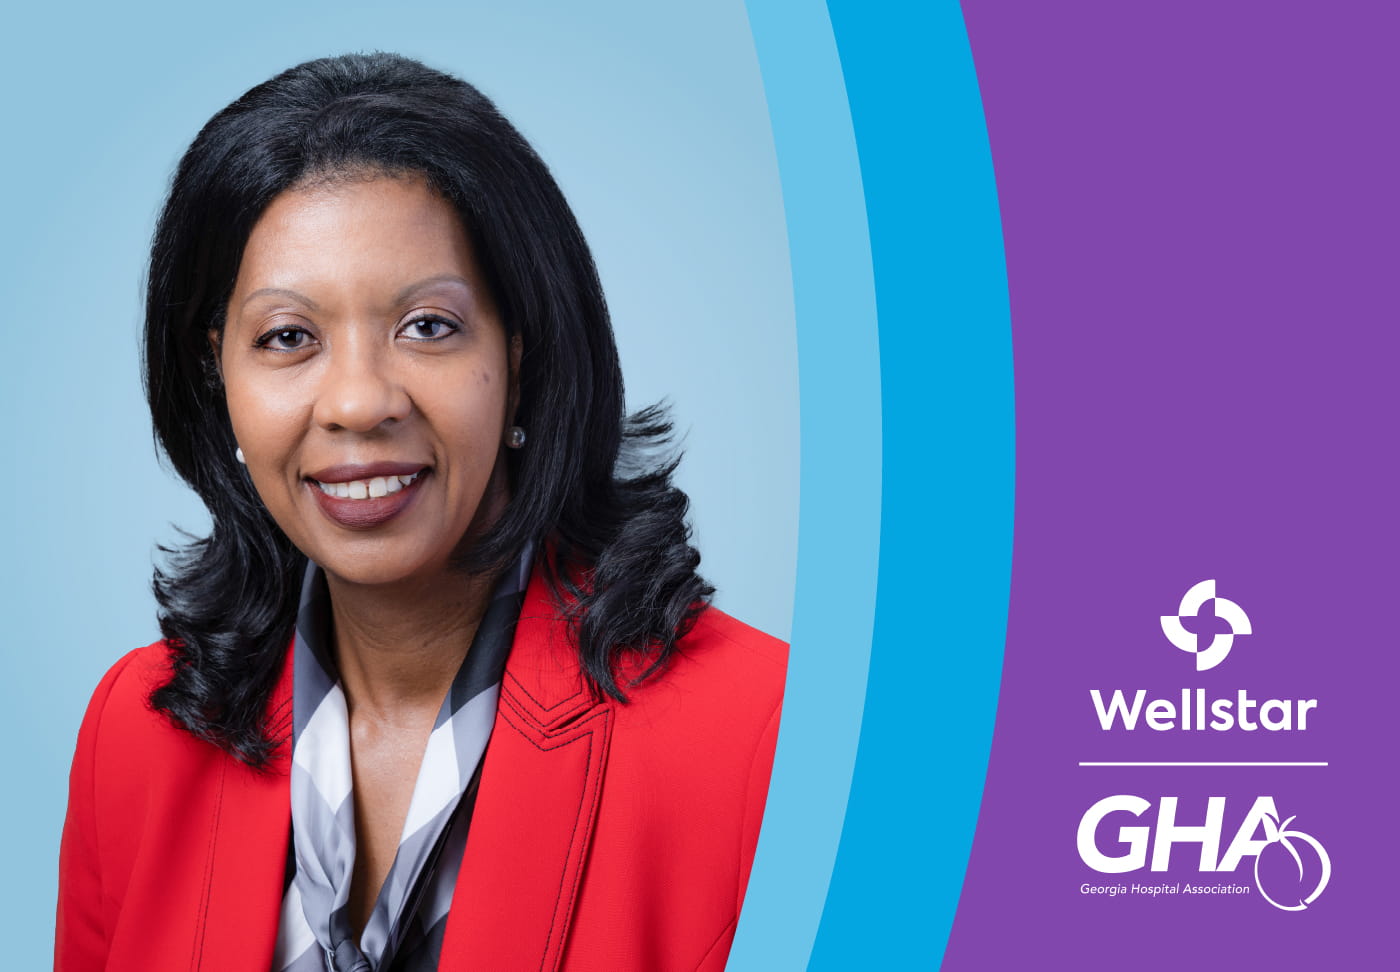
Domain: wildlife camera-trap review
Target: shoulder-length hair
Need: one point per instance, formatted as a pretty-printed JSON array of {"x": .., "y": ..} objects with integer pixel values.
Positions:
[{"x": 619, "y": 558}]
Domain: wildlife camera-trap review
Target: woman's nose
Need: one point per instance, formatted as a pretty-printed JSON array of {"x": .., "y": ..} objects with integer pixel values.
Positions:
[{"x": 359, "y": 390}]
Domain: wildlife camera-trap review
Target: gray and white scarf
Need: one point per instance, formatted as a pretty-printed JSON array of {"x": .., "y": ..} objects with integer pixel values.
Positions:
[{"x": 406, "y": 927}]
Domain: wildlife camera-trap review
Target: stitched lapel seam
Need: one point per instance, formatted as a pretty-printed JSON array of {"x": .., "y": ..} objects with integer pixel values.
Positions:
[
  {"x": 202, "y": 916},
  {"x": 578, "y": 702},
  {"x": 589, "y": 729}
]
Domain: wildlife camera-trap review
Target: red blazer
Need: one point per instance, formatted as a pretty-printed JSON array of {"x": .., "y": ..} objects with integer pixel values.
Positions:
[{"x": 605, "y": 837}]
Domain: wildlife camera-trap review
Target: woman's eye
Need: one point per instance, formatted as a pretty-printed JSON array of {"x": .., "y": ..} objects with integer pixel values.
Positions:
[
  {"x": 428, "y": 329},
  {"x": 284, "y": 339}
]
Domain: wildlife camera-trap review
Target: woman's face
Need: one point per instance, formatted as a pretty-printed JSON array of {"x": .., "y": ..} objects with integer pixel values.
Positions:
[{"x": 368, "y": 377}]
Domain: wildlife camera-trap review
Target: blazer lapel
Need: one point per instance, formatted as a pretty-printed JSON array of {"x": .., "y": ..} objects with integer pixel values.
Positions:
[
  {"x": 542, "y": 777},
  {"x": 248, "y": 852}
]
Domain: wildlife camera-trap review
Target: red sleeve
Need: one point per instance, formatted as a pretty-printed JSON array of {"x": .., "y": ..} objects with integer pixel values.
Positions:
[
  {"x": 759, "y": 774},
  {"x": 80, "y": 943}
]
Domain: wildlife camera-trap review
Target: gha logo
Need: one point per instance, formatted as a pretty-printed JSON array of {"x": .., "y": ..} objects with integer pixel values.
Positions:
[
  {"x": 1278, "y": 840},
  {"x": 1225, "y": 609}
]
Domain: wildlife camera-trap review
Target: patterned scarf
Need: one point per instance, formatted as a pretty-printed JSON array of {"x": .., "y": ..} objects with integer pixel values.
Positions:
[{"x": 406, "y": 926}]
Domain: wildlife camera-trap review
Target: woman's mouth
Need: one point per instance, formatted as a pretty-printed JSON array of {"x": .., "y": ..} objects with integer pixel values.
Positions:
[
  {"x": 369, "y": 501},
  {"x": 359, "y": 489}
]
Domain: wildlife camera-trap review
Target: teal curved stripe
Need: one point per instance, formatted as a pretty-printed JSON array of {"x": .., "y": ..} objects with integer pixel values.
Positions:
[
  {"x": 947, "y": 505},
  {"x": 838, "y": 528}
]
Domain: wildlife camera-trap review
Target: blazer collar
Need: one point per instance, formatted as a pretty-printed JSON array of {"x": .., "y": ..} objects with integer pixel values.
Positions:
[{"x": 542, "y": 778}]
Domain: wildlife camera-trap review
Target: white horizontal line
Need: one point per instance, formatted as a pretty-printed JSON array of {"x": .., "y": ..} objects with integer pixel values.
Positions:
[{"x": 1202, "y": 764}]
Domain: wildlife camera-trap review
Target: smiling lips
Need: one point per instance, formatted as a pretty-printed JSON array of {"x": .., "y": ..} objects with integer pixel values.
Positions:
[
  {"x": 364, "y": 496},
  {"x": 358, "y": 489}
]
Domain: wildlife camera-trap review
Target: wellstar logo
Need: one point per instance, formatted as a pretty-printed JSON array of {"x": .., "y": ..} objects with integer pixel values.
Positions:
[{"x": 1225, "y": 609}]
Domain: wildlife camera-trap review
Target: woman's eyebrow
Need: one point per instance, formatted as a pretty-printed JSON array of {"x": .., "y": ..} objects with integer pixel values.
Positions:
[
  {"x": 280, "y": 292},
  {"x": 428, "y": 283}
]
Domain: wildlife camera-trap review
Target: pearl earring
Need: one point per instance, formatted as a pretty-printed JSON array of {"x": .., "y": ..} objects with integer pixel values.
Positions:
[
  {"x": 515, "y": 438},
  {"x": 238, "y": 454}
]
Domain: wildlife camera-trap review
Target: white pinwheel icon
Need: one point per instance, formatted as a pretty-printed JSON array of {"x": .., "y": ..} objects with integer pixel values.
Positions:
[{"x": 1225, "y": 609}]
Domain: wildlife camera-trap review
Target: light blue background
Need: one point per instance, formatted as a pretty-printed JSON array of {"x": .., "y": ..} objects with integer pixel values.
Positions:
[{"x": 654, "y": 121}]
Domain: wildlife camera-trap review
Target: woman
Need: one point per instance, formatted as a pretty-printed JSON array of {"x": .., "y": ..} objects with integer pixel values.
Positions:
[{"x": 441, "y": 689}]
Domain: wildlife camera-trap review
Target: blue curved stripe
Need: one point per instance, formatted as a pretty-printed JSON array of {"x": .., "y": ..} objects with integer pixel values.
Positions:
[
  {"x": 838, "y": 529},
  {"x": 949, "y": 464}
]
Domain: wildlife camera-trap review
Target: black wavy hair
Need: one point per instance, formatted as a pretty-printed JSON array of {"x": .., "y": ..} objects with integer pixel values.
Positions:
[{"x": 617, "y": 547}]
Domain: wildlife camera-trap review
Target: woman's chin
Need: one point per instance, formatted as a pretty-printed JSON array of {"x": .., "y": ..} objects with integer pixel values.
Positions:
[{"x": 383, "y": 575}]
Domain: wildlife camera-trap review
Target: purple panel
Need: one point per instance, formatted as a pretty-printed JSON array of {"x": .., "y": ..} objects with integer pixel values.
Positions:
[{"x": 1200, "y": 209}]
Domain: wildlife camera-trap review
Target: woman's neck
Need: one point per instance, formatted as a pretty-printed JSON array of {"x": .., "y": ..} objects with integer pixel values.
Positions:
[{"x": 399, "y": 648}]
